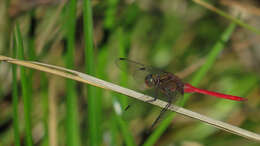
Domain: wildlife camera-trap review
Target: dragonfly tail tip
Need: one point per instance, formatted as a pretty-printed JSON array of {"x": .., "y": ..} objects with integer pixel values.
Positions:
[{"x": 244, "y": 99}]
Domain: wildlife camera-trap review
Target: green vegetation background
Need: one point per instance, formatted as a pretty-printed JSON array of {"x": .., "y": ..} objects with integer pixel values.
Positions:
[{"x": 210, "y": 49}]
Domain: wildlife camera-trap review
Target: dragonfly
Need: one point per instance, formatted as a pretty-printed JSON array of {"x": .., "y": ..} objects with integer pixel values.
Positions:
[{"x": 165, "y": 83}]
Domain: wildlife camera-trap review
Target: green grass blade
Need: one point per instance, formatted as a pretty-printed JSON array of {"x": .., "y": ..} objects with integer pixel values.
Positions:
[
  {"x": 227, "y": 16},
  {"x": 25, "y": 89},
  {"x": 72, "y": 123},
  {"x": 113, "y": 131},
  {"x": 123, "y": 75},
  {"x": 31, "y": 35},
  {"x": 31, "y": 56},
  {"x": 211, "y": 58},
  {"x": 15, "y": 100},
  {"x": 94, "y": 105},
  {"x": 128, "y": 138},
  {"x": 123, "y": 125},
  {"x": 31, "y": 46},
  {"x": 45, "y": 108},
  {"x": 110, "y": 14}
]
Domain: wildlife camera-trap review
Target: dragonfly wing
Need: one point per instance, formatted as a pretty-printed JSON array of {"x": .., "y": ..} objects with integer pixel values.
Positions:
[
  {"x": 137, "y": 70},
  {"x": 130, "y": 65}
]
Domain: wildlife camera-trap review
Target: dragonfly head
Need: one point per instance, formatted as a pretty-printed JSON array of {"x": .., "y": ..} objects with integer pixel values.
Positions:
[{"x": 150, "y": 80}]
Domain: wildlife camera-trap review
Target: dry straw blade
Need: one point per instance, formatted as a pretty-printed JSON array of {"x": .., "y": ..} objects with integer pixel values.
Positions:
[{"x": 81, "y": 77}]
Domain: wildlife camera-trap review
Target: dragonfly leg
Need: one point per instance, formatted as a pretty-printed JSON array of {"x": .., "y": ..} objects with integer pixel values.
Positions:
[
  {"x": 161, "y": 113},
  {"x": 163, "y": 110},
  {"x": 154, "y": 99}
]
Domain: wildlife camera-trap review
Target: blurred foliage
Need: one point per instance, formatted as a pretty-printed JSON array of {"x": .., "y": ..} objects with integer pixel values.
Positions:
[{"x": 176, "y": 36}]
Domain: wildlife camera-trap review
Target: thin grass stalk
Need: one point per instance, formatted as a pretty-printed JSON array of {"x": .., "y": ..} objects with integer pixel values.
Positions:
[
  {"x": 128, "y": 138},
  {"x": 110, "y": 14},
  {"x": 94, "y": 106},
  {"x": 123, "y": 125},
  {"x": 227, "y": 16},
  {"x": 15, "y": 99},
  {"x": 72, "y": 123},
  {"x": 101, "y": 72},
  {"x": 122, "y": 53},
  {"x": 25, "y": 89},
  {"x": 113, "y": 131},
  {"x": 30, "y": 51},
  {"x": 45, "y": 108}
]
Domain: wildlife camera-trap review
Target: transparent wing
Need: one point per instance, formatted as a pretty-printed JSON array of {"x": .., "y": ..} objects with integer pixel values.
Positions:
[{"x": 137, "y": 70}]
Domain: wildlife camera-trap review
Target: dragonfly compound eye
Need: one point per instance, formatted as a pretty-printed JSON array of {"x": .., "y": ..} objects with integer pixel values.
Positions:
[{"x": 149, "y": 81}]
